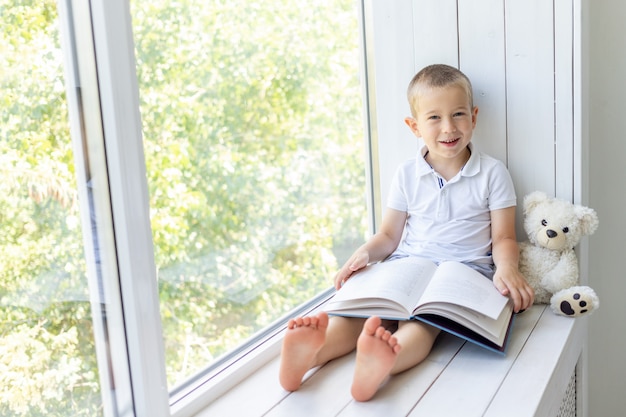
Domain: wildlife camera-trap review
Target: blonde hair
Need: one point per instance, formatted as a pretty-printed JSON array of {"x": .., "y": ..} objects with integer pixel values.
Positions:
[{"x": 437, "y": 76}]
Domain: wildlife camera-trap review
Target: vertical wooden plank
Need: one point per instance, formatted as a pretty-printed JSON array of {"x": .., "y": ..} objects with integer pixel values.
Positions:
[
  {"x": 529, "y": 36},
  {"x": 390, "y": 52},
  {"x": 581, "y": 94},
  {"x": 435, "y": 33},
  {"x": 564, "y": 104},
  {"x": 482, "y": 59}
]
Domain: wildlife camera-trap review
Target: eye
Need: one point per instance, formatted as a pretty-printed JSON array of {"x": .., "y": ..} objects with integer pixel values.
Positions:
[
  {"x": 565, "y": 229},
  {"x": 544, "y": 222},
  {"x": 459, "y": 114},
  {"x": 433, "y": 117}
]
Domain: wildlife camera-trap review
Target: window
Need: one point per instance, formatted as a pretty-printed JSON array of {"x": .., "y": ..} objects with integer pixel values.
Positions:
[
  {"x": 228, "y": 204},
  {"x": 253, "y": 136}
]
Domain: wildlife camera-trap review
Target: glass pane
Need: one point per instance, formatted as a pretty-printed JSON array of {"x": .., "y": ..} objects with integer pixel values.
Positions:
[
  {"x": 252, "y": 119},
  {"x": 47, "y": 355}
]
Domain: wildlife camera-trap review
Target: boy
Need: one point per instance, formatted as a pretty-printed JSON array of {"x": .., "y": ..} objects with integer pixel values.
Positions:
[{"x": 450, "y": 203}]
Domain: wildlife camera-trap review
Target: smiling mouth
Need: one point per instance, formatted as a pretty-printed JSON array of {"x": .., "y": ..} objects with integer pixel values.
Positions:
[{"x": 449, "y": 141}]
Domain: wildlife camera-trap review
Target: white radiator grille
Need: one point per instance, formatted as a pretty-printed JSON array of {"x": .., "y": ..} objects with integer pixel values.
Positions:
[{"x": 568, "y": 404}]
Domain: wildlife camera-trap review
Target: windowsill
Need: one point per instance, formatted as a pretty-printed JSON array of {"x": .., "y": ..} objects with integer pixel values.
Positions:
[{"x": 457, "y": 379}]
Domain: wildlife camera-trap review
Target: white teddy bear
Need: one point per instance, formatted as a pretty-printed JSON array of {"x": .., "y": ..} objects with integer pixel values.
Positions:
[{"x": 548, "y": 261}]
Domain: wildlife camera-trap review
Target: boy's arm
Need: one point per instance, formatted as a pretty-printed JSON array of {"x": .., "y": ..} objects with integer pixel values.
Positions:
[
  {"x": 377, "y": 248},
  {"x": 505, "y": 250}
]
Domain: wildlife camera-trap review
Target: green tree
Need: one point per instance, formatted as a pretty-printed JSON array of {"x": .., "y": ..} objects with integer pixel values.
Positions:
[{"x": 253, "y": 138}]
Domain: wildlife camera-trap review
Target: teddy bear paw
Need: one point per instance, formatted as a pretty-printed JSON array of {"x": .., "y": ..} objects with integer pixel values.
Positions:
[{"x": 574, "y": 301}]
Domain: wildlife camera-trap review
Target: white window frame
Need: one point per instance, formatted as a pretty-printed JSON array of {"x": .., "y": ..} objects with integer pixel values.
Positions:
[{"x": 104, "y": 109}]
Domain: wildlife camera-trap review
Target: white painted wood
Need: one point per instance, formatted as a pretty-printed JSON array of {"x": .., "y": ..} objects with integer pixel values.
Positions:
[
  {"x": 261, "y": 363},
  {"x": 399, "y": 395},
  {"x": 325, "y": 393},
  {"x": 564, "y": 98},
  {"x": 545, "y": 366},
  {"x": 580, "y": 166},
  {"x": 435, "y": 33},
  {"x": 580, "y": 87},
  {"x": 474, "y": 376},
  {"x": 530, "y": 98},
  {"x": 530, "y": 94},
  {"x": 255, "y": 395},
  {"x": 510, "y": 51},
  {"x": 457, "y": 379},
  {"x": 482, "y": 59}
]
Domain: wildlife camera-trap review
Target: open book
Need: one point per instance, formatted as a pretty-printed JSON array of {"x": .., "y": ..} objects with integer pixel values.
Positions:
[{"x": 451, "y": 296}]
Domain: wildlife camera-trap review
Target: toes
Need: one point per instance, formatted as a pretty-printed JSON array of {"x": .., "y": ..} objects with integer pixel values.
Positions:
[
  {"x": 319, "y": 321},
  {"x": 372, "y": 326},
  {"x": 322, "y": 320},
  {"x": 382, "y": 333}
]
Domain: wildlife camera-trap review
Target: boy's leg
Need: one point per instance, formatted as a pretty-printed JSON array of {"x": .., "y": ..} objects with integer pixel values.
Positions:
[
  {"x": 380, "y": 354},
  {"x": 416, "y": 339},
  {"x": 312, "y": 341}
]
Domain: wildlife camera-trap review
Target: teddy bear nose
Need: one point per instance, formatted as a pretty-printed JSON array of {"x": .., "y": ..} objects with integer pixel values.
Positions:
[{"x": 551, "y": 233}]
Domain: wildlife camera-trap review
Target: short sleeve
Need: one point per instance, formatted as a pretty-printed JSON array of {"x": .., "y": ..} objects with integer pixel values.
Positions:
[
  {"x": 502, "y": 191},
  {"x": 397, "y": 198}
]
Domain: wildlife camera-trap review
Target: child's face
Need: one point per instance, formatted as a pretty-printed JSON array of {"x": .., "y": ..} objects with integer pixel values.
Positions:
[{"x": 445, "y": 121}]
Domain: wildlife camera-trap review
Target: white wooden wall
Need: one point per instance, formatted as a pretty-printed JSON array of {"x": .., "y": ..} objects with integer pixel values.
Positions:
[{"x": 522, "y": 57}]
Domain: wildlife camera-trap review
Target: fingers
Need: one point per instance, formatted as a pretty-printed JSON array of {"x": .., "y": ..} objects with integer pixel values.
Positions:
[
  {"x": 522, "y": 297},
  {"x": 356, "y": 262},
  {"x": 517, "y": 289},
  {"x": 342, "y": 276},
  {"x": 340, "y": 279}
]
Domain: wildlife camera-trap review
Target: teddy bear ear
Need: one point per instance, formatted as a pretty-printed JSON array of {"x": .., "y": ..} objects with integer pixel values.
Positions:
[
  {"x": 534, "y": 199},
  {"x": 588, "y": 219}
]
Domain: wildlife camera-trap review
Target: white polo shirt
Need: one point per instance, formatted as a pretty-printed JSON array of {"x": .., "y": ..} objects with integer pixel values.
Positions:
[{"x": 450, "y": 220}]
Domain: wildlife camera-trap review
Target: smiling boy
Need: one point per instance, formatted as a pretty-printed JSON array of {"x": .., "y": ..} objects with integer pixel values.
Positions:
[{"x": 450, "y": 202}]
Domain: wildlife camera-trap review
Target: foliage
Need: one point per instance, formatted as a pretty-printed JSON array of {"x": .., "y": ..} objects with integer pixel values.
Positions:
[
  {"x": 47, "y": 362},
  {"x": 251, "y": 164},
  {"x": 252, "y": 132}
]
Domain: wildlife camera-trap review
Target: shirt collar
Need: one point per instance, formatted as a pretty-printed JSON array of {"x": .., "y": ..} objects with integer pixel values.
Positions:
[{"x": 472, "y": 166}]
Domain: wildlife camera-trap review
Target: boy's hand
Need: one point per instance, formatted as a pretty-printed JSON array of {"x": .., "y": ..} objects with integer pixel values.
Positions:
[
  {"x": 510, "y": 282},
  {"x": 358, "y": 260}
]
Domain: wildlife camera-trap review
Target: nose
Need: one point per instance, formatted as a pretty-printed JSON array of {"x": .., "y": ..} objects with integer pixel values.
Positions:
[{"x": 448, "y": 125}]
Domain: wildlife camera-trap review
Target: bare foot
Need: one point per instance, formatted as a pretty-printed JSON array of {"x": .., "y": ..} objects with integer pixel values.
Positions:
[
  {"x": 304, "y": 338},
  {"x": 376, "y": 353}
]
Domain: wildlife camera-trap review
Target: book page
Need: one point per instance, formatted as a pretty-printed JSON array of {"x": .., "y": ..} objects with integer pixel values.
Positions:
[
  {"x": 459, "y": 284},
  {"x": 401, "y": 280}
]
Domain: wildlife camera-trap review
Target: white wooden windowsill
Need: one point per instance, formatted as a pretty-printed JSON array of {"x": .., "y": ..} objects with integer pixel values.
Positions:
[{"x": 457, "y": 379}]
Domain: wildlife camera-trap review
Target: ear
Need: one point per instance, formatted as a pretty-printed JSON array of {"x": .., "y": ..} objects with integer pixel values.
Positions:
[
  {"x": 412, "y": 124},
  {"x": 588, "y": 219},
  {"x": 474, "y": 116},
  {"x": 533, "y": 199}
]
